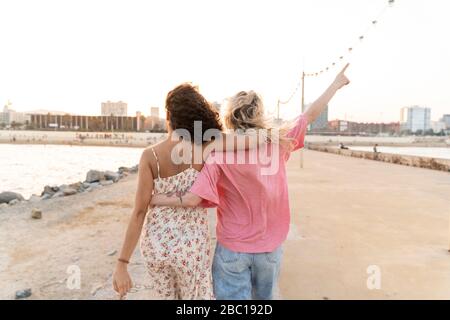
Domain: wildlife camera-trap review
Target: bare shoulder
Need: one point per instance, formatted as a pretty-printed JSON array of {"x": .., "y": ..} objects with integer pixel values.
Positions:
[
  {"x": 147, "y": 154},
  {"x": 149, "y": 157},
  {"x": 157, "y": 147}
]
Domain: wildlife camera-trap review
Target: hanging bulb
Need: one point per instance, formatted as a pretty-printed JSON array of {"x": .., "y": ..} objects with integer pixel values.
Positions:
[
  {"x": 391, "y": 3},
  {"x": 341, "y": 57},
  {"x": 350, "y": 49},
  {"x": 361, "y": 38},
  {"x": 374, "y": 22}
]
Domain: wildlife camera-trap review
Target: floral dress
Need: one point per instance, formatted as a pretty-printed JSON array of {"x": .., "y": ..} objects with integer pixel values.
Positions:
[{"x": 175, "y": 244}]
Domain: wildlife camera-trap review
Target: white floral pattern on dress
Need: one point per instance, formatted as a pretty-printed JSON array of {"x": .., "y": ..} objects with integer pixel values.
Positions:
[{"x": 175, "y": 244}]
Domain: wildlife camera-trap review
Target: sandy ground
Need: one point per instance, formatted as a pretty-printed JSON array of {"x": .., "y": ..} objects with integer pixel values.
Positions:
[{"x": 347, "y": 214}]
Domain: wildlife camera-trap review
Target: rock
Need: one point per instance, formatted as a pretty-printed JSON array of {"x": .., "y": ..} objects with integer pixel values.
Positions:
[
  {"x": 58, "y": 194},
  {"x": 111, "y": 253},
  {"x": 85, "y": 185},
  {"x": 22, "y": 294},
  {"x": 106, "y": 182},
  {"x": 76, "y": 185},
  {"x": 50, "y": 190},
  {"x": 123, "y": 174},
  {"x": 8, "y": 196},
  {"x": 69, "y": 191},
  {"x": 96, "y": 185},
  {"x": 3, "y": 205},
  {"x": 123, "y": 169},
  {"x": 46, "y": 196},
  {"x": 36, "y": 213},
  {"x": 13, "y": 202},
  {"x": 34, "y": 198},
  {"x": 93, "y": 186},
  {"x": 111, "y": 175},
  {"x": 94, "y": 176},
  {"x": 134, "y": 169}
]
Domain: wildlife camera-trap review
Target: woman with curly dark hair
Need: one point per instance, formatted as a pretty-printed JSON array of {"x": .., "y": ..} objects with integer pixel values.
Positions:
[{"x": 175, "y": 242}]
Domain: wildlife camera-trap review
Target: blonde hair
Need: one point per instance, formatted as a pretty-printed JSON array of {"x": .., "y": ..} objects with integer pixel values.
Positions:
[{"x": 245, "y": 111}]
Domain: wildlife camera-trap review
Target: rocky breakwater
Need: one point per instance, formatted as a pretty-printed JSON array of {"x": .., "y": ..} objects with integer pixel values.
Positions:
[
  {"x": 53, "y": 204},
  {"x": 94, "y": 179},
  {"x": 412, "y": 161}
]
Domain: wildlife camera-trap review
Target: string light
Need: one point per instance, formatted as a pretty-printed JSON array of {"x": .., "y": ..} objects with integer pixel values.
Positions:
[{"x": 350, "y": 50}]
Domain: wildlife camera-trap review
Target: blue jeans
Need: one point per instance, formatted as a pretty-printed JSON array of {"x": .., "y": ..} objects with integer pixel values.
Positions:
[{"x": 245, "y": 276}]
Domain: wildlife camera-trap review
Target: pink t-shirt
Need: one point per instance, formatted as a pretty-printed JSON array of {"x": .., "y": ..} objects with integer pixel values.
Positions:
[{"x": 252, "y": 200}]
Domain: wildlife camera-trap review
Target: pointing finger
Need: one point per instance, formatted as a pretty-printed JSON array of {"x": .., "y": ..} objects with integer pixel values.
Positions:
[{"x": 345, "y": 68}]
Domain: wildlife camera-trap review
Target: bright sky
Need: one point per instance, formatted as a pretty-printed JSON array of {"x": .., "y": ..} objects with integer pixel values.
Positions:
[{"x": 72, "y": 55}]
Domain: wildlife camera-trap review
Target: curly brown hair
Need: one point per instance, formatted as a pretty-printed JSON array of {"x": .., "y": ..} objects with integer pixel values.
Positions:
[{"x": 185, "y": 105}]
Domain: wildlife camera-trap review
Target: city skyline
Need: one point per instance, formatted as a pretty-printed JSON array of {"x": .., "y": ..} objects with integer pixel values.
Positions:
[
  {"x": 114, "y": 116},
  {"x": 120, "y": 108},
  {"x": 155, "y": 113},
  {"x": 60, "y": 64}
]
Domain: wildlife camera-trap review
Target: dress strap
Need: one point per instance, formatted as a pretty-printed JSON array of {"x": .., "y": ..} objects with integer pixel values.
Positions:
[
  {"x": 192, "y": 158},
  {"x": 157, "y": 161}
]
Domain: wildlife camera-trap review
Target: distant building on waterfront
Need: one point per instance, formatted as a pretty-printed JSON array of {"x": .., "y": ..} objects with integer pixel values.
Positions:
[
  {"x": 154, "y": 112},
  {"x": 438, "y": 126},
  {"x": 362, "y": 128},
  {"x": 154, "y": 122},
  {"x": 85, "y": 123},
  {"x": 4, "y": 115},
  {"x": 446, "y": 120},
  {"x": 10, "y": 117},
  {"x": 118, "y": 109},
  {"x": 321, "y": 123},
  {"x": 415, "y": 119},
  {"x": 338, "y": 126},
  {"x": 140, "y": 120}
]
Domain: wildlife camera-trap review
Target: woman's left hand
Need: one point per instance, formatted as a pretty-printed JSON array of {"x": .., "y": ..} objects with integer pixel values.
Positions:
[{"x": 341, "y": 79}]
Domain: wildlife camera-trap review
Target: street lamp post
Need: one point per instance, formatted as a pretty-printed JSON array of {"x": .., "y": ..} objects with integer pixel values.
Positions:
[{"x": 303, "y": 110}]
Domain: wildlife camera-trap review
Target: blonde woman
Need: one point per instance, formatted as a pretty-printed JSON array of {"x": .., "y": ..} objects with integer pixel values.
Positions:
[{"x": 253, "y": 213}]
